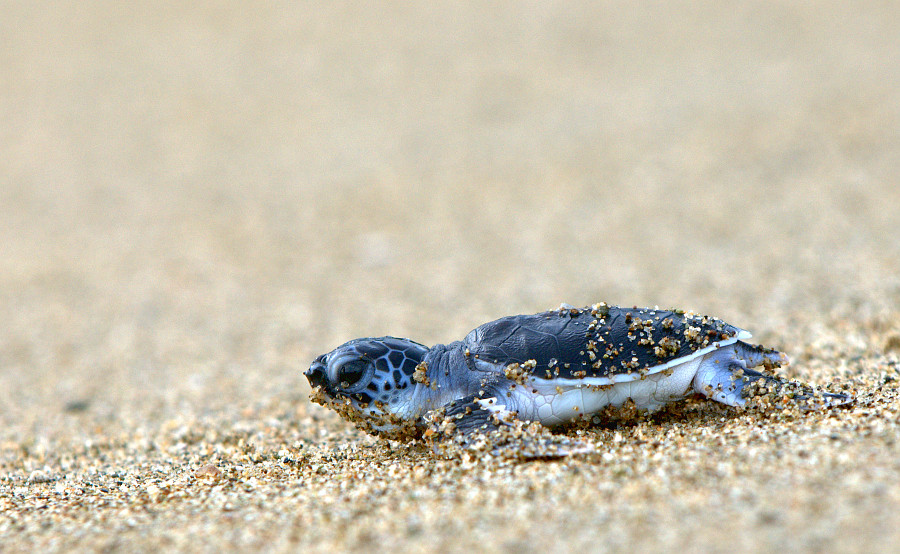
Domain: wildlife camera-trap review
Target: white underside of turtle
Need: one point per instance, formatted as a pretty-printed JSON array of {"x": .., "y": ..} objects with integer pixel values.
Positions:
[
  {"x": 551, "y": 368},
  {"x": 559, "y": 404}
]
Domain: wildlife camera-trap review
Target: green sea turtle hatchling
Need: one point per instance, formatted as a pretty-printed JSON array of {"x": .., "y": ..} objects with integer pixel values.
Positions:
[{"x": 553, "y": 368}]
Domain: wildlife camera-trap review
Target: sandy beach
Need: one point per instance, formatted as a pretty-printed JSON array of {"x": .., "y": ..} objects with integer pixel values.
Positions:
[{"x": 195, "y": 201}]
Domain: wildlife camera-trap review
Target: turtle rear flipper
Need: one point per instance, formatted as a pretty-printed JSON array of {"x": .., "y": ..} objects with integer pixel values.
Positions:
[
  {"x": 484, "y": 425},
  {"x": 731, "y": 382}
]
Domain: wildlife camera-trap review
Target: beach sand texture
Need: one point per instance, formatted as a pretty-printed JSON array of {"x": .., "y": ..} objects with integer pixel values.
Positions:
[{"x": 196, "y": 200}]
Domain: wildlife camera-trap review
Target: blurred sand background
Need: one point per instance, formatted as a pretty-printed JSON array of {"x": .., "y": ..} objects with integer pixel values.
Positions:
[{"x": 196, "y": 200}]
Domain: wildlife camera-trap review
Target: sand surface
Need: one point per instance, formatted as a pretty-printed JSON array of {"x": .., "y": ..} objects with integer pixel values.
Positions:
[{"x": 195, "y": 201}]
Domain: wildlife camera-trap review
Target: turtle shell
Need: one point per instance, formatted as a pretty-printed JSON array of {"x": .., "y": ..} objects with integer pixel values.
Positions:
[{"x": 608, "y": 343}]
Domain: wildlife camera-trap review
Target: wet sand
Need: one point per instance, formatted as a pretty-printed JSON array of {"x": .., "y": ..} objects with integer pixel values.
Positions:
[{"x": 197, "y": 201}]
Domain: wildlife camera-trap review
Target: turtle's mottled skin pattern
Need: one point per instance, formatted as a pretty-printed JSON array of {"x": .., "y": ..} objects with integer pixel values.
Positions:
[
  {"x": 394, "y": 360},
  {"x": 552, "y": 367},
  {"x": 599, "y": 341}
]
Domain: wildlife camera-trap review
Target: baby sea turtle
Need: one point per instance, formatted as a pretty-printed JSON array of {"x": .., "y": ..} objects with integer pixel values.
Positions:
[{"x": 553, "y": 368}]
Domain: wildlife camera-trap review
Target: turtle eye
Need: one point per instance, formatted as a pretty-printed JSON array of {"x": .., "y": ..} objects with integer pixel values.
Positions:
[{"x": 351, "y": 373}]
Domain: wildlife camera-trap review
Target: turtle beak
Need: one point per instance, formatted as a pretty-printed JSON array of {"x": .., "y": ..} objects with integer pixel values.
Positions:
[{"x": 317, "y": 375}]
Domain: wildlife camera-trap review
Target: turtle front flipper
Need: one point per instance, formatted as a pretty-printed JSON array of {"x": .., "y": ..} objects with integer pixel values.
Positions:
[
  {"x": 471, "y": 415},
  {"x": 485, "y": 425},
  {"x": 731, "y": 380}
]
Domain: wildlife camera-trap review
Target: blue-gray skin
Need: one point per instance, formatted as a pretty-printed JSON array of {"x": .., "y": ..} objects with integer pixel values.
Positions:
[{"x": 553, "y": 367}]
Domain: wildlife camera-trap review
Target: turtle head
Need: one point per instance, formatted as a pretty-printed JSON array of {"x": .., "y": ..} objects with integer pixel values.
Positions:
[{"x": 370, "y": 382}]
